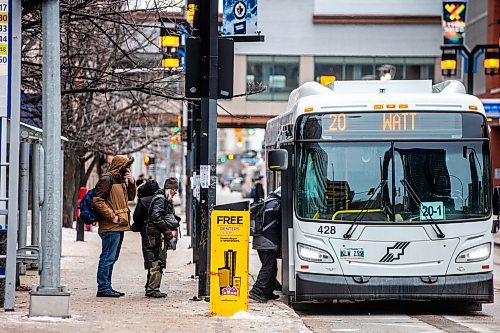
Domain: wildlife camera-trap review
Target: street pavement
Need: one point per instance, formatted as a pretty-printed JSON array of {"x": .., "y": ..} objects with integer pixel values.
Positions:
[
  {"x": 179, "y": 313},
  {"x": 134, "y": 312},
  {"x": 393, "y": 316}
]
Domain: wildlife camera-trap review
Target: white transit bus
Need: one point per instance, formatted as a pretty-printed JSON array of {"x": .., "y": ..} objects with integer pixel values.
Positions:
[{"x": 386, "y": 192}]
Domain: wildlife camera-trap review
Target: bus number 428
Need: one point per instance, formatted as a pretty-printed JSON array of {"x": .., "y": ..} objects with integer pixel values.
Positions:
[{"x": 327, "y": 230}]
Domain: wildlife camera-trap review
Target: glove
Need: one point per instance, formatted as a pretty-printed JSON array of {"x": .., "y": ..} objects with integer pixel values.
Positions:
[
  {"x": 178, "y": 218},
  {"x": 168, "y": 235}
]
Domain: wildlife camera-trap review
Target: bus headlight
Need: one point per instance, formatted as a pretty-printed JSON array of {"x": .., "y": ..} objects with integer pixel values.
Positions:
[
  {"x": 476, "y": 253},
  {"x": 309, "y": 253}
]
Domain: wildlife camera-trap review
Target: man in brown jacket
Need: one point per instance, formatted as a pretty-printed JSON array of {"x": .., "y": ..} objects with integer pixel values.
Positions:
[{"x": 111, "y": 196}]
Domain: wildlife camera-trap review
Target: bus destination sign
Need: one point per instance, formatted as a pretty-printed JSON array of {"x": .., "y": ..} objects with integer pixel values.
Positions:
[{"x": 391, "y": 125}]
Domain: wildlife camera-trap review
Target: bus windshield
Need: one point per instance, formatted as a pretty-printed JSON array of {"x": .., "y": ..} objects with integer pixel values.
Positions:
[{"x": 392, "y": 181}]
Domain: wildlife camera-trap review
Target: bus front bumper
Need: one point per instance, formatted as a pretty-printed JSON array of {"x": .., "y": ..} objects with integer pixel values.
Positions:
[{"x": 468, "y": 287}]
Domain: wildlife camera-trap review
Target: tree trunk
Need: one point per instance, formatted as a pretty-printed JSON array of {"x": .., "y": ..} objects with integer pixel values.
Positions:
[{"x": 71, "y": 187}]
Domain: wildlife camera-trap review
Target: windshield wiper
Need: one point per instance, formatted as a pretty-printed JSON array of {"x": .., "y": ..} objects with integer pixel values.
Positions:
[
  {"x": 417, "y": 200},
  {"x": 363, "y": 212}
]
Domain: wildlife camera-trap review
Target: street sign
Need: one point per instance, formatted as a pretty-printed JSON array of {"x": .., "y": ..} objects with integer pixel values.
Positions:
[
  {"x": 239, "y": 17},
  {"x": 454, "y": 22},
  {"x": 230, "y": 232}
]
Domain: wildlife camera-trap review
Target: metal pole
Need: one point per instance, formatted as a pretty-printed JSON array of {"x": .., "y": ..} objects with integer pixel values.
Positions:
[
  {"x": 15, "y": 99},
  {"x": 208, "y": 138},
  {"x": 470, "y": 73},
  {"x": 51, "y": 212},
  {"x": 24, "y": 182},
  {"x": 189, "y": 172},
  {"x": 35, "y": 195}
]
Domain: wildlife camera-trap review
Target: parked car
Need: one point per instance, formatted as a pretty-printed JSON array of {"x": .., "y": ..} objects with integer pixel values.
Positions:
[{"x": 236, "y": 184}]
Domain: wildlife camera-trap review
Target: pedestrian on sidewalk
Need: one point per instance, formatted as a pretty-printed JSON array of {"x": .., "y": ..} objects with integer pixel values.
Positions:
[
  {"x": 259, "y": 189},
  {"x": 145, "y": 194},
  {"x": 161, "y": 230},
  {"x": 268, "y": 244},
  {"x": 111, "y": 196}
]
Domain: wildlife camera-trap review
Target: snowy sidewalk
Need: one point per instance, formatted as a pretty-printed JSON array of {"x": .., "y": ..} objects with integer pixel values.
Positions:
[{"x": 134, "y": 312}]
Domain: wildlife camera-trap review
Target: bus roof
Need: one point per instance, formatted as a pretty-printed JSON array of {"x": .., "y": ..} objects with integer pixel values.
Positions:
[{"x": 379, "y": 96}]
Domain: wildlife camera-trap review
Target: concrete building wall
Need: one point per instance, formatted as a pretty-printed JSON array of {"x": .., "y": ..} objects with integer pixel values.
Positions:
[{"x": 289, "y": 29}]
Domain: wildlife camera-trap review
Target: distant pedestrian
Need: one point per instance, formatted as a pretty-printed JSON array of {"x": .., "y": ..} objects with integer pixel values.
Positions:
[
  {"x": 111, "y": 196},
  {"x": 267, "y": 245},
  {"x": 140, "y": 180},
  {"x": 161, "y": 231},
  {"x": 145, "y": 194},
  {"x": 259, "y": 190}
]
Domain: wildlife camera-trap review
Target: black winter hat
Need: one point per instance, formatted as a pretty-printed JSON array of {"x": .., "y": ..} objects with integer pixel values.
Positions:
[
  {"x": 148, "y": 188},
  {"x": 171, "y": 183}
]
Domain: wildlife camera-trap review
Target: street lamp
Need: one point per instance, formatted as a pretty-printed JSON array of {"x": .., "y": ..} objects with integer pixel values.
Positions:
[
  {"x": 491, "y": 63},
  {"x": 449, "y": 61}
]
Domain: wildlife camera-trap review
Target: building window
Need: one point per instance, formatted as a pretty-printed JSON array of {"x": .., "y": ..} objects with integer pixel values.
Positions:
[
  {"x": 280, "y": 74},
  {"x": 373, "y": 68}
]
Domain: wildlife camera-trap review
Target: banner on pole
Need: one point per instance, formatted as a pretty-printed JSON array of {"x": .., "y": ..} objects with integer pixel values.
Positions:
[
  {"x": 230, "y": 232},
  {"x": 454, "y": 22},
  {"x": 239, "y": 17}
]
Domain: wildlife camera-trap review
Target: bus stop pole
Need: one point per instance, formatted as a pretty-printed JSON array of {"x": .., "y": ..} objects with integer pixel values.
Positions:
[{"x": 208, "y": 11}]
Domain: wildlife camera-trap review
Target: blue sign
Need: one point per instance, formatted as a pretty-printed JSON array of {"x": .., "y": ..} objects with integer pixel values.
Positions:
[
  {"x": 492, "y": 108},
  {"x": 239, "y": 17}
]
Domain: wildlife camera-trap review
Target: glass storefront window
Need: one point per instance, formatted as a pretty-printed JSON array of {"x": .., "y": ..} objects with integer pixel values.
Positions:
[
  {"x": 280, "y": 74},
  {"x": 373, "y": 68}
]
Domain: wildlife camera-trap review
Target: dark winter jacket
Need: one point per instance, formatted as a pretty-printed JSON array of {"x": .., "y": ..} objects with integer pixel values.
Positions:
[
  {"x": 259, "y": 192},
  {"x": 161, "y": 215},
  {"x": 270, "y": 238},
  {"x": 145, "y": 194}
]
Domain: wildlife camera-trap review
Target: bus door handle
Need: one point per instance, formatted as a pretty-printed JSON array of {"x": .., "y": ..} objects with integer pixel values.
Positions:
[
  {"x": 361, "y": 279},
  {"x": 429, "y": 279}
]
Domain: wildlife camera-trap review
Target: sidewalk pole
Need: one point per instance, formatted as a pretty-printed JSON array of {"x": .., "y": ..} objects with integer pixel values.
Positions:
[
  {"x": 14, "y": 115},
  {"x": 24, "y": 171},
  {"x": 51, "y": 236},
  {"x": 50, "y": 277},
  {"x": 35, "y": 194}
]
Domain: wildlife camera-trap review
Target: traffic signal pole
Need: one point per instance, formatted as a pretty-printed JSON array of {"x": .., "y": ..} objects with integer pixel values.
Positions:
[{"x": 208, "y": 16}]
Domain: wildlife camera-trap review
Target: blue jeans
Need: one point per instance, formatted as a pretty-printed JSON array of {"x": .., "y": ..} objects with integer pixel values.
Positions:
[{"x": 111, "y": 245}]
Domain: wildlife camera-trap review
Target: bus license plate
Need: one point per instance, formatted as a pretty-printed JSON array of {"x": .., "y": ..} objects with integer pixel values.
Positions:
[{"x": 352, "y": 253}]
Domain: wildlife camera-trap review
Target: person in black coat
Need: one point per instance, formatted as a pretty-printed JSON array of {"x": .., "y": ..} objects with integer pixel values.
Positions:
[
  {"x": 161, "y": 232},
  {"x": 259, "y": 189},
  {"x": 145, "y": 194},
  {"x": 267, "y": 245}
]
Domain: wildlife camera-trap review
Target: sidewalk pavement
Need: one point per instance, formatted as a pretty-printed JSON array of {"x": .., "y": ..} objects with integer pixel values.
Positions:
[{"x": 134, "y": 312}]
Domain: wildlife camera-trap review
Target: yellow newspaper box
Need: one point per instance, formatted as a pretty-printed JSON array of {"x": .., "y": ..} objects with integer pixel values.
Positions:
[{"x": 230, "y": 232}]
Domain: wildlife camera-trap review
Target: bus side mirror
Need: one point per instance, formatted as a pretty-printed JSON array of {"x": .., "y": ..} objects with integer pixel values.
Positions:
[{"x": 277, "y": 160}]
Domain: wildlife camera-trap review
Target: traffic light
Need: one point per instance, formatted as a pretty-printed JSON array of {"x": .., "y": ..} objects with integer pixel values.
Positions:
[
  {"x": 222, "y": 159},
  {"x": 173, "y": 141},
  {"x": 170, "y": 44},
  {"x": 149, "y": 160}
]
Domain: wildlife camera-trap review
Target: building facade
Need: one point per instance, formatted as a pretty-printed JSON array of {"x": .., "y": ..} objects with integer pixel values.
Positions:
[{"x": 324, "y": 40}]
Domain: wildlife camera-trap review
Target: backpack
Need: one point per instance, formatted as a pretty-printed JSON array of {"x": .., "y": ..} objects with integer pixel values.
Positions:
[
  {"x": 257, "y": 217},
  {"x": 88, "y": 213}
]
